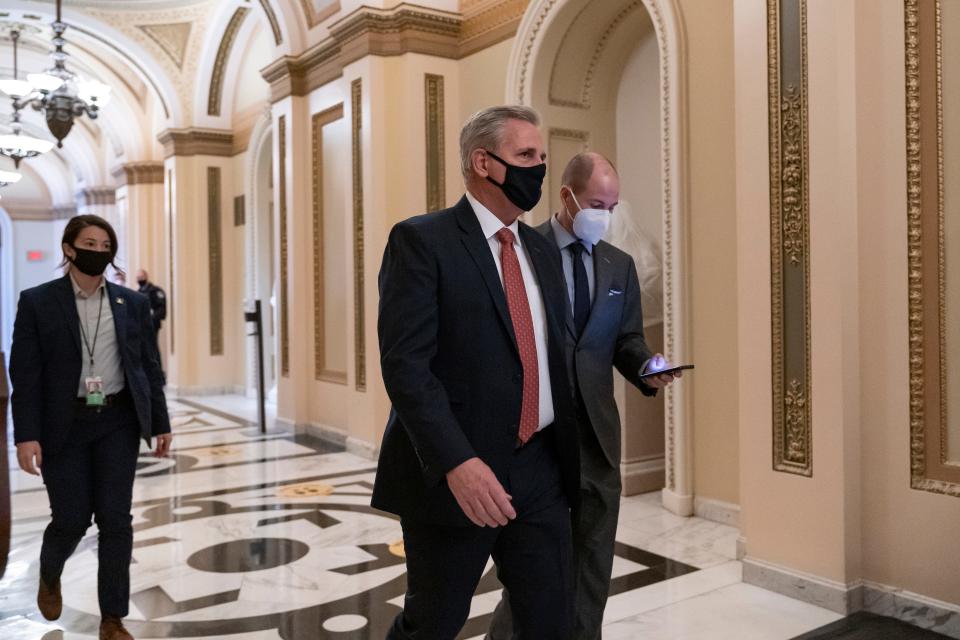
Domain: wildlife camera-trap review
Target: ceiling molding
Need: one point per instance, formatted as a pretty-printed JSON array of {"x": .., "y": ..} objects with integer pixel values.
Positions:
[
  {"x": 20, "y": 210},
  {"x": 196, "y": 142},
  {"x": 314, "y": 16},
  {"x": 392, "y": 32},
  {"x": 96, "y": 196},
  {"x": 485, "y": 25},
  {"x": 133, "y": 173},
  {"x": 274, "y": 23},
  {"x": 172, "y": 38}
]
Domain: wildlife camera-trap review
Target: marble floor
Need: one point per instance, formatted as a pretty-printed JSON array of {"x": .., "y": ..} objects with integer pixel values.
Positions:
[{"x": 252, "y": 536}]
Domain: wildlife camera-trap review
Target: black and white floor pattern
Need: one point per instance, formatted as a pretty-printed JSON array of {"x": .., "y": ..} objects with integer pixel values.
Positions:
[{"x": 246, "y": 536}]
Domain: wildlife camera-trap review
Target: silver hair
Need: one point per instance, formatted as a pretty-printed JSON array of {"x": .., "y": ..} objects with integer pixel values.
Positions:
[{"x": 484, "y": 130}]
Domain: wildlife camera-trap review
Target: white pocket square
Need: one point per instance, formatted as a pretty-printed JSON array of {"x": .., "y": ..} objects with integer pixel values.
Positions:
[{"x": 614, "y": 292}]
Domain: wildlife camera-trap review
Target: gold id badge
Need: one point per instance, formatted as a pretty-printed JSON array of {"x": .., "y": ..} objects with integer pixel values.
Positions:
[{"x": 95, "y": 397}]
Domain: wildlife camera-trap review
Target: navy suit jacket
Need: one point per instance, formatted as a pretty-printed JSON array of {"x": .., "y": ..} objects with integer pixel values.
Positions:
[
  {"x": 451, "y": 365},
  {"x": 613, "y": 337},
  {"x": 46, "y": 362}
]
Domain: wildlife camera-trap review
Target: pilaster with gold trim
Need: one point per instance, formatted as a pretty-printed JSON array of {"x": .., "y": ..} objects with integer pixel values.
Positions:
[
  {"x": 789, "y": 236},
  {"x": 359, "y": 289}
]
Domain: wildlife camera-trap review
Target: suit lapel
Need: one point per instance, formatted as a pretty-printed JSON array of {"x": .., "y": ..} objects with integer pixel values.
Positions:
[
  {"x": 547, "y": 230},
  {"x": 68, "y": 302},
  {"x": 479, "y": 250},
  {"x": 603, "y": 276},
  {"x": 118, "y": 305}
]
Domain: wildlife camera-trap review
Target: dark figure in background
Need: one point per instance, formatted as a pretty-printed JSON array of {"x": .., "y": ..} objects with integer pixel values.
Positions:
[
  {"x": 158, "y": 307},
  {"x": 604, "y": 330},
  {"x": 479, "y": 455},
  {"x": 86, "y": 389}
]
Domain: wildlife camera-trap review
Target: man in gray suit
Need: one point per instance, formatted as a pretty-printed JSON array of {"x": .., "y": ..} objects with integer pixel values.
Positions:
[{"x": 604, "y": 330}]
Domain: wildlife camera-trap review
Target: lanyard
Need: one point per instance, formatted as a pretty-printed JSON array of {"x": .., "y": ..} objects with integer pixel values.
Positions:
[{"x": 83, "y": 332}]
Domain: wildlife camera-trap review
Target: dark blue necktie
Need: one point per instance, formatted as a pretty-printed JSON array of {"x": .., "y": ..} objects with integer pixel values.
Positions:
[{"x": 581, "y": 289}]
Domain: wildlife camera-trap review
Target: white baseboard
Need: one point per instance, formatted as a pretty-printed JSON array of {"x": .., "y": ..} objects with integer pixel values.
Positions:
[
  {"x": 363, "y": 448},
  {"x": 643, "y": 476},
  {"x": 822, "y": 592},
  {"x": 681, "y": 505},
  {"x": 717, "y": 511},
  {"x": 187, "y": 391},
  {"x": 284, "y": 424},
  {"x": 340, "y": 438},
  {"x": 913, "y": 608},
  {"x": 861, "y": 595},
  {"x": 324, "y": 432},
  {"x": 741, "y": 547}
]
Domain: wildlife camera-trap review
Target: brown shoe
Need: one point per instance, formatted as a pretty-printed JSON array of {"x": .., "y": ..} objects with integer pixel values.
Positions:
[
  {"x": 111, "y": 628},
  {"x": 49, "y": 600}
]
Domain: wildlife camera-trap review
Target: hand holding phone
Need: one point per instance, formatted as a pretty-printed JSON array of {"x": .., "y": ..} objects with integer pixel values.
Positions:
[{"x": 667, "y": 371}]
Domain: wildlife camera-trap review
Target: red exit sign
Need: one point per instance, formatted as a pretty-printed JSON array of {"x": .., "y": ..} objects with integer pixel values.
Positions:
[{"x": 34, "y": 256}]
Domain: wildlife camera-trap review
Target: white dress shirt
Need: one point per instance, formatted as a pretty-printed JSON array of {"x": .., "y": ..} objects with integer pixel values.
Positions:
[
  {"x": 106, "y": 352},
  {"x": 491, "y": 224},
  {"x": 564, "y": 239}
]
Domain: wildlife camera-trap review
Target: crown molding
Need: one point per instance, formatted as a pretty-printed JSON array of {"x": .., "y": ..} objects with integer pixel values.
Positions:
[
  {"x": 195, "y": 141},
  {"x": 96, "y": 196},
  {"x": 405, "y": 28},
  {"x": 133, "y": 173}
]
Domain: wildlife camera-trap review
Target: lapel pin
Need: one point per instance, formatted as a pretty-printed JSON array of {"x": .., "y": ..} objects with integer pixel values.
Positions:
[{"x": 119, "y": 300}]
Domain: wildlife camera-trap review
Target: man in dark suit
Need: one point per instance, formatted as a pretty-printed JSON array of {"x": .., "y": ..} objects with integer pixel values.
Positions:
[
  {"x": 479, "y": 457},
  {"x": 158, "y": 307},
  {"x": 86, "y": 388},
  {"x": 604, "y": 330}
]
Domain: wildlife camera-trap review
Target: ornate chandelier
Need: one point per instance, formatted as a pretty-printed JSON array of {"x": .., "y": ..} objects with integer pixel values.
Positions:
[
  {"x": 59, "y": 92},
  {"x": 16, "y": 144},
  {"x": 9, "y": 177}
]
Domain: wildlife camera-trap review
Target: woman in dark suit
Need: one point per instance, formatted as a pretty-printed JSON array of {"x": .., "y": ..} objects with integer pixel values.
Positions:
[{"x": 86, "y": 388}]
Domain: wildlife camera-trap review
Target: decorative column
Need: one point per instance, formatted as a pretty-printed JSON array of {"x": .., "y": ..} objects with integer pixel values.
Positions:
[{"x": 204, "y": 317}]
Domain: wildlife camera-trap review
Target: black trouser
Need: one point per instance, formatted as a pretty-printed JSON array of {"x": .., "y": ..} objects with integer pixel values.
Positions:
[
  {"x": 92, "y": 475},
  {"x": 532, "y": 554},
  {"x": 594, "y": 535}
]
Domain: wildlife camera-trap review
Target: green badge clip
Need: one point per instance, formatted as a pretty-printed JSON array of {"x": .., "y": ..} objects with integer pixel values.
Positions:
[{"x": 95, "y": 399}]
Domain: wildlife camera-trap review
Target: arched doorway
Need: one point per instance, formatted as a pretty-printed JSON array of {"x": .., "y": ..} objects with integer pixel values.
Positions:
[
  {"x": 262, "y": 260},
  {"x": 607, "y": 76}
]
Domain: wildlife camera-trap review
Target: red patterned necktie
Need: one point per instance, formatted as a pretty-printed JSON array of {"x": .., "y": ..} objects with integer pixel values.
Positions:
[{"x": 523, "y": 328}]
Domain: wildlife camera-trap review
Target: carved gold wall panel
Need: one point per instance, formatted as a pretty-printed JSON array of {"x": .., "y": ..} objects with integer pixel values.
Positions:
[
  {"x": 356, "y": 127},
  {"x": 320, "y": 369},
  {"x": 284, "y": 268},
  {"x": 215, "y": 260},
  {"x": 930, "y": 466},
  {"x": 433, "y": 100},
  {"x": 789, "y": 236}
]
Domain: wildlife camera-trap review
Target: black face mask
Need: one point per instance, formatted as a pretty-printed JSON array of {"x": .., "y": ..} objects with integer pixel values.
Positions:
[
  {"x": 521, "y": 185},
  {"x": 141, "y": 282},
  {"x": 91, "y": 263}
]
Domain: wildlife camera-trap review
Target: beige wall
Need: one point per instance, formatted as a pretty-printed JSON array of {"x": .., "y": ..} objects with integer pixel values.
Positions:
[
  {"x": 909, "y": 537},
  {"x": 856, "y": 518},
  {"x": 484, "y": 80},
  {"x": 713, "y": 248}
]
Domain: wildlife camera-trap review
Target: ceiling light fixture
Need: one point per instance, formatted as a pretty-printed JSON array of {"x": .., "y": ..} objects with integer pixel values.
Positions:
[
  {"x": 18, "y": 145},
  {"x": 59, "y": 92}
]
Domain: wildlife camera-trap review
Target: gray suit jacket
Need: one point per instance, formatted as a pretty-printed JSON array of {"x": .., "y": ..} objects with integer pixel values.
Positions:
[{"x": 613, "y": 337}]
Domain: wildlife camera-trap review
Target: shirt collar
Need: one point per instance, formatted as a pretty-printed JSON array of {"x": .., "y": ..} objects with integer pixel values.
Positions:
[
  {"x": 78, "y": 292},
  {"x": 564, "y": 238},
  {"x": 490, "y": 223}
]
